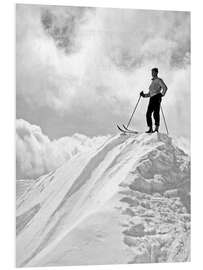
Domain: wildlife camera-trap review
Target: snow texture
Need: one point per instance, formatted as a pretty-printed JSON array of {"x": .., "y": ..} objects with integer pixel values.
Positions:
[
  {"x": 126, "y": 202},
  {"x": 22, "y": 185}
]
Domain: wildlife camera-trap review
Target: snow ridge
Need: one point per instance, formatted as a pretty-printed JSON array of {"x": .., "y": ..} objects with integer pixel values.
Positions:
[{"x": 128, "y": 200}]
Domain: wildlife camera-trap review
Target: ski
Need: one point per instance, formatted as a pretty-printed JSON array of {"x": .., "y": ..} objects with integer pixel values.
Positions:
[
  {"x": 122, "y": 130},
  {"x": 130, "y": 130},
  {"x": 126, "y": 131},
  {"x": 125, "y": 127}
]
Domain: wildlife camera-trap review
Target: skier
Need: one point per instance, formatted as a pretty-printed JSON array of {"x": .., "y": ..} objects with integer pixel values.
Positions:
[{"x": 157, "y": 90}]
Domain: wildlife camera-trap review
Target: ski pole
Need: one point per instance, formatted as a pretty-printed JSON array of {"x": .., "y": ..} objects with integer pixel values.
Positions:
[
  {"x": 164, "y": 120},
  {"x": 133, "y": 112}
]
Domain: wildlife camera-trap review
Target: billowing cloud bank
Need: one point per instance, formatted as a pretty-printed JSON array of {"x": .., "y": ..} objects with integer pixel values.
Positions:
[
  {"x": 87, "y": 65},
  {"x": 36, "y": 154}
]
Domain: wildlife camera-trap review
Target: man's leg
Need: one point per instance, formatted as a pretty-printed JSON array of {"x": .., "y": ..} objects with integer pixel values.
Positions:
[
  {"x": 150, "y": 110},
  {"x": 156, "y": 113}
]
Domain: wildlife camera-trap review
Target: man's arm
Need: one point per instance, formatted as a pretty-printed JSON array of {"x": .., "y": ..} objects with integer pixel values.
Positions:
[
  {"x": 163, "y": 86},
  {"x": 147, "y": 95},
  {"x": 144, "y": 95}
]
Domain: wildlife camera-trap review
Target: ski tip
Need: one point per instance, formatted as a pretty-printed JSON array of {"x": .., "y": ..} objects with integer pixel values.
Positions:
[
  {"x": 123, "y": 132},
  {"x": 127, "y": 131}
]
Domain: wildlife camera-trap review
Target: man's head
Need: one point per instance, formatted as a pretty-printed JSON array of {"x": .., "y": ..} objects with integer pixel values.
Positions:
[{"x": 155, "y": 72}]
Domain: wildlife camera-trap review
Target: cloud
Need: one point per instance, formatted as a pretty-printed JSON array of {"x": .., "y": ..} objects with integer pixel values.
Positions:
[
  {"x": 135, "y": 37},
  {"x": 88, "y": 65},
  {"x": 36, "y": 154},
  {"x": 63, "y": 25}
]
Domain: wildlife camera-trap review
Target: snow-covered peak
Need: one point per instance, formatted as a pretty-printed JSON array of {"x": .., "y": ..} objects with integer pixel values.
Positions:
[{"x": 128, "y": 199}]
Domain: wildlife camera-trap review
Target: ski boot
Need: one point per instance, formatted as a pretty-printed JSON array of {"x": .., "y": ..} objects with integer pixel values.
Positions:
[
  {"x": 150, "y": 130},
  {"x": 156, "y": 129}
]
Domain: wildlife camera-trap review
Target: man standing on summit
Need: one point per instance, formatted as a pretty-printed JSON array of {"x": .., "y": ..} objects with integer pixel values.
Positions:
[{"x": 157, "y": 90}]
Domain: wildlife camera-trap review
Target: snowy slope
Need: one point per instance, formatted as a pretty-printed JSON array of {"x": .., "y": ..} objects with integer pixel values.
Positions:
[
  {"x": 22, "y": 186},
  {"x": 125, "y": 202},
  {"x": 67, "y": 146}
]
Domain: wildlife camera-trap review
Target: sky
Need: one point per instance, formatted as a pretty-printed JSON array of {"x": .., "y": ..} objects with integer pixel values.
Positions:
[{"x": 80, "y": 70}]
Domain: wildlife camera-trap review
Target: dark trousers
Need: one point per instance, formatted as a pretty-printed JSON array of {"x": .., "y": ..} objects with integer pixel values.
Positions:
[{"x": 154, "y": 107}]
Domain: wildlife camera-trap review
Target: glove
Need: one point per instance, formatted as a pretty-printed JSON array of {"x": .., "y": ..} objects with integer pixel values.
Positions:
[{"x": 142, "y": 94}]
